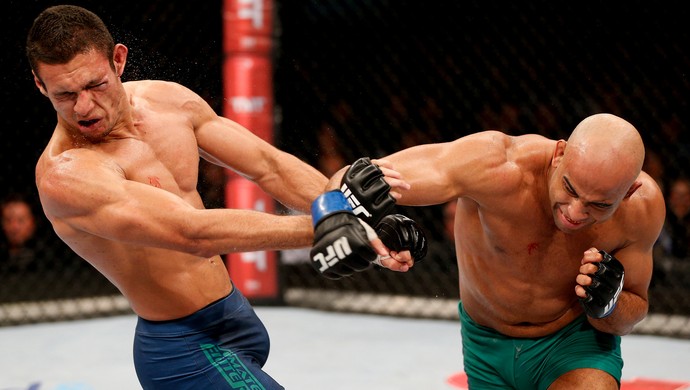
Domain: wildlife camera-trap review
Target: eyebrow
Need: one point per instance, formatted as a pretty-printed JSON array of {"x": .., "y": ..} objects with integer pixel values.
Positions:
[
  {"x": 572, "y": 189},
  {"x": 63, "y": 93},
  {"x": 90, "y": 84}
]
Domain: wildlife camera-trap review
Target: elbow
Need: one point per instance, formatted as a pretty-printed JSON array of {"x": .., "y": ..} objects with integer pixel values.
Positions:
[
  {"x": 623, "y": 331},
  {"x": 205, "y": 252},
  {"x": 186, "y": 241},
  {"x": 616, "y": 329}
]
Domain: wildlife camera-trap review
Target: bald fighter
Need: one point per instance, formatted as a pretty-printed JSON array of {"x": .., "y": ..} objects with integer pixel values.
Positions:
[{"x": 554, "y": 247}]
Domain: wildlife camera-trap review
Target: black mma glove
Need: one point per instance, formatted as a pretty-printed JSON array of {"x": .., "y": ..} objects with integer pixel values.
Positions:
[
  {"x": 401, "y": 233},
  {"x": 607, "y": 283},
  {"x": 341, "y": 241},
  {"x": 368, "y": 193}
]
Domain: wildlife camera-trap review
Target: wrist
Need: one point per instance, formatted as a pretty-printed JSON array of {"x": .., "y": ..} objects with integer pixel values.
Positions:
[{"x": 329, "y": 203}]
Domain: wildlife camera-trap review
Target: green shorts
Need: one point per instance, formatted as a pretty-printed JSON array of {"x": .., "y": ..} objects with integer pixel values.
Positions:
[{"x": 495, "y": 361}]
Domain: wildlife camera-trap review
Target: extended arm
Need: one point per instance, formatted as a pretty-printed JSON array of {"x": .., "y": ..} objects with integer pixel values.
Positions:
[
  {"x": 471, "y": 166},
  {"x": 84, "y": 192},
  {"x": 281, "y": 175}
]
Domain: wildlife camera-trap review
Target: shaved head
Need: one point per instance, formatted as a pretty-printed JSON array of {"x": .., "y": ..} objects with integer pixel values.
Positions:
[
  {"x": 595, "y": 171},
  {"x": 606, "y": 147}
]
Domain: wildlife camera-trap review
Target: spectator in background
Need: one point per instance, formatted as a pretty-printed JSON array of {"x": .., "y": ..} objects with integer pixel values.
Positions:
[
  {"x": 677, "y": 226},
  {"x": 679, "y": 216},
  {"x": 20, "y": 246},
  {"x": 672, "y": 249},
  {"x": 655, "y": 167},
  {"x": 35, "y": 264},
  {"x": 25, "y": 251}
]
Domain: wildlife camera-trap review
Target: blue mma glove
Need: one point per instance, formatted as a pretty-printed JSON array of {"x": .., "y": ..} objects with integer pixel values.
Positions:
[
  {"x": 341, "y": 241},
  {"x": 607, "y": 284}
]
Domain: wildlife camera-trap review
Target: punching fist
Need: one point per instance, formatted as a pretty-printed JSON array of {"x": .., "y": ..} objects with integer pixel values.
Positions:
[
  {"x": 367, "y": 192},
  {"x": 606, "y": 286},
  {"x": 341, "y": 241},
  {"x": 400, "y": 233}
]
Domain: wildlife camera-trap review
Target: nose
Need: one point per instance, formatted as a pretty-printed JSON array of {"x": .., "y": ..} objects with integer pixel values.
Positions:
[
  {"x": 577, "y": 210},
  {"x": 84, "y": 104}
]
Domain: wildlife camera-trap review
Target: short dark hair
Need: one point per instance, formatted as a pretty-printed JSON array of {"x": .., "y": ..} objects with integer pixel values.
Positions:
[{"x": 61, "y": 32}]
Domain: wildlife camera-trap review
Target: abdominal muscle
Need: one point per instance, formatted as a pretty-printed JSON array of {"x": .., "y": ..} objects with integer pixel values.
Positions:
[
  {"x": 517, "y": 306},
  {"x": 161, "y": 284}
]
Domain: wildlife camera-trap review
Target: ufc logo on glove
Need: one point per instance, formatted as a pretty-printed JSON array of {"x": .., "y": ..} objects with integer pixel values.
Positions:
[
  {"x": 357, "y": 207},
  {"x": 335, "y": 252}
]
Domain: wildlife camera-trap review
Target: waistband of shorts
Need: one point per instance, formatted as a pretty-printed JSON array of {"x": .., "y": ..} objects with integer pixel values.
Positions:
[
  {"x": 208, "y": 315},
  {"x": 464, "y": 317},
  {"x": 469, "y": 323}
]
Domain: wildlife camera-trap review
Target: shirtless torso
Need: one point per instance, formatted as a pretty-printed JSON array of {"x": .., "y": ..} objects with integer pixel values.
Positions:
[
  {"x": 118, "y": 182},
  {"x": 518, "y": 267},
  {"x": 162, "y": 159}
]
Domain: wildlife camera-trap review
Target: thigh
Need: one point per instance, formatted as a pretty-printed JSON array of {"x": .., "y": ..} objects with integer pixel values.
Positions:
[
  {"x": 187, "y": 364},
  {"x": 581, "y": 355},
  {"x": 486, "y": 356},
  {"x": 585, "y": 379},
  {"x": 222, "y": 346},
  {"x": 225, "y": 368}
]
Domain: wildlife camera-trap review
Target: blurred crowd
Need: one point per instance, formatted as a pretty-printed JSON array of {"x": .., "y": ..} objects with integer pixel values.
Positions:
[{"x": 34, "y": 263}]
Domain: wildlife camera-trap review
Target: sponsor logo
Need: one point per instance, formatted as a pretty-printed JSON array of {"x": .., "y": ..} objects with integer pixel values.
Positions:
[
  {"x": 357, "y": 207},
  {"x": 231, "y": 368},
  {"x": 335, "y": 252}
]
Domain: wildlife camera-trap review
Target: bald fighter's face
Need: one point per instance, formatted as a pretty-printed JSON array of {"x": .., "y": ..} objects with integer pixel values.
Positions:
[
  {"x": 582, "y": 196},
  {"x": 577, "y": 207}
]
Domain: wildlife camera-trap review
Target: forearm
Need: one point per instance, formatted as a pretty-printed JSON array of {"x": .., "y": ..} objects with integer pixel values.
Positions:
[
  {"x": 630, "y": 310},
  {"x": 293, "y": 183},
  {"x": 221, "y": 231}
]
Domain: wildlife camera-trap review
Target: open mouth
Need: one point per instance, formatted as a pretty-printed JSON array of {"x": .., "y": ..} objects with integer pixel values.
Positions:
[
  {"x": 88, "y": 123},
  {"x": 570, "y": 222}
]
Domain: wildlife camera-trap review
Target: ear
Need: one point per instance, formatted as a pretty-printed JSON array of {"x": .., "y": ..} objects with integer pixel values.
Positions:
[
  {"x": 637, "y": 184},
  {"x": 558, "y": 152},
  {"x": 120, "y": 58},
  {"x": 39, "y": 84}
]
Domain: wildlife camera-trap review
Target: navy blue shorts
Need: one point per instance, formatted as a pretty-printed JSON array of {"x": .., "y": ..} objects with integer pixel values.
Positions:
[{"x": 222, "y": 346}]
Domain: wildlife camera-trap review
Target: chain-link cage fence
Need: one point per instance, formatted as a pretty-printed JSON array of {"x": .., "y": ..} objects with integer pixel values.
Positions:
[{"x": 365, "y": 78}]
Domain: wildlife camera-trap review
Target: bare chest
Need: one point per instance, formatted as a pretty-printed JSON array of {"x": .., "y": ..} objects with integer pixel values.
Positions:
[
  {"x": 165, "y": 155},
  {"x": 522, "y": 236}
]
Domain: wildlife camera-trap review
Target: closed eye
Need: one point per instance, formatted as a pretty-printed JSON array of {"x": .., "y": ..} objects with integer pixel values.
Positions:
[
  {"x": 98, "y": 87},
  {"x": 569, "y": 188},
  {"x": 571, "y": 191},
  {"x": 601, "y": 205}
]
